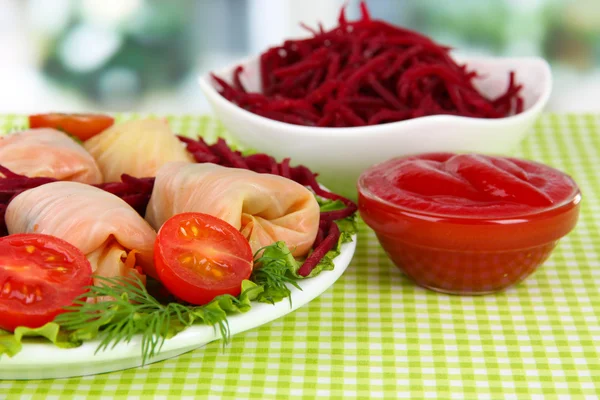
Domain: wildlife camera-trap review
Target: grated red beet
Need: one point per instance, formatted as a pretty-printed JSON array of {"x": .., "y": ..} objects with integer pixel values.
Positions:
[
  {"x": 319, "y": 251},
  {"x": 134, "y": 191},
  {"x": 11, "y": 185},
  {"x": 365, "y": 72}
]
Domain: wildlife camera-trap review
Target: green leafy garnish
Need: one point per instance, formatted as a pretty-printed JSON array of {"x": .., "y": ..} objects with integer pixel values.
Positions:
[
  {"x": 132, "y": 310},
  {"x": 10, "y": 343},
  {"x": 273, "y": 271}
]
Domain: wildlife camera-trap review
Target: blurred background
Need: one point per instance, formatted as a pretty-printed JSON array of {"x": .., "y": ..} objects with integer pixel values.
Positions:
[{"x": 132, "y": 55}]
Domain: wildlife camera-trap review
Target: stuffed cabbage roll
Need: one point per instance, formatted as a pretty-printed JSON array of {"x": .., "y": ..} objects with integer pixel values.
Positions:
[
  {"x": 49, "y": 153},
  {"x": 265, "y": 208},
  {"x": 112, "y": 235},
  {"x": 138, "y": 148}
]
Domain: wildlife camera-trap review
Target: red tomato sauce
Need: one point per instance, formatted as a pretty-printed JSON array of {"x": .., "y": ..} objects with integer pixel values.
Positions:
[{"x": 467, "y": 224}]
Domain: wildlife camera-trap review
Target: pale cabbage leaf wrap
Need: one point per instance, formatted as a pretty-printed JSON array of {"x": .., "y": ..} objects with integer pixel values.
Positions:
[
  {"x": 111, "y": 234},
  {"x": 137, "y": 148},
  {"x": 49, "y": 153},
  {"x": 264, "y": 208}
]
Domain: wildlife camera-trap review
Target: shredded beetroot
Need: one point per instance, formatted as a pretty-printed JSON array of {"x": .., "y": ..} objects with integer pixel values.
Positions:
[
  {"x": 364, "y": 72},
  {"x": 319, "y": 251},
  {"x": 328, "y": 233},
  {"x": 12, "y": 184},
  {"x": 134, "y": 191}
]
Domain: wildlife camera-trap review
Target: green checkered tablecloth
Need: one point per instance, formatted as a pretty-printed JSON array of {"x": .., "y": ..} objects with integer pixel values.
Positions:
[{"x": 376, "y": 335}]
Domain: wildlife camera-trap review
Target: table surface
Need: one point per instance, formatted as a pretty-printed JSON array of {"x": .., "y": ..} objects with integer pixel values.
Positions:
[{"x": 375, "y": 334}]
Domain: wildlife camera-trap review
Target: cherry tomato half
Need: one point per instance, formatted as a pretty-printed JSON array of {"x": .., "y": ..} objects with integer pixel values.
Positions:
[
  {"x": 39, "y": 275},
  {"x": 198, "y": 257},
  {"x": 83, "y": 126}
]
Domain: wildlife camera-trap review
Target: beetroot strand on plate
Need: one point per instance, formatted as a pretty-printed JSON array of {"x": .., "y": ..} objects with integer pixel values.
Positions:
[
  {"x": 231, "y": 157},
  {"x": 320, "y": 250},
  {"x": 199, "y": 149},
  {"x": 134, "y": 191},
  {"x": 260, "y": 163},
  {"x": 13, "y": 184},
  {"x": 320, "y": 236}
]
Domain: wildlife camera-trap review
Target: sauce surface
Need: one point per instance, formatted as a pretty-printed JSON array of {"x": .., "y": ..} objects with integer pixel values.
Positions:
[{"x": 468, "y": 185}]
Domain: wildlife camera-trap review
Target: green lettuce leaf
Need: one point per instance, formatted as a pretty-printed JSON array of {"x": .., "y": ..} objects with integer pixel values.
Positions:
[
  {"x": 329, "y": 205},
  {"x": 11, "y": 343},
  {"x": 8, "y": 344},
  {"x": 271, "y": 272}
]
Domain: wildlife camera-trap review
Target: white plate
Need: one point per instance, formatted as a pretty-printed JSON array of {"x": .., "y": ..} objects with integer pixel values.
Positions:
[{"x": 44, "y": 360}]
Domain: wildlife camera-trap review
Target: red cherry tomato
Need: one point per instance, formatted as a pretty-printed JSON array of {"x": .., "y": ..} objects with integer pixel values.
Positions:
[
  {"x": 83, "y": 126},
  {"x": 39, "y": 275},
  {"x": 199, "y": 257},
  {"x": 467, "y": 223}
]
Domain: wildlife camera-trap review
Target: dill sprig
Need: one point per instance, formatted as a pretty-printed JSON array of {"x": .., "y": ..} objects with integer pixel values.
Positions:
[{"x": 128, "y": 309}]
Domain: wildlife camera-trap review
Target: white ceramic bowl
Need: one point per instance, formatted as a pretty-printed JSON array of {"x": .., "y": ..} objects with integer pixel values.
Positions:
[{"x": 339, "y": 155}]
